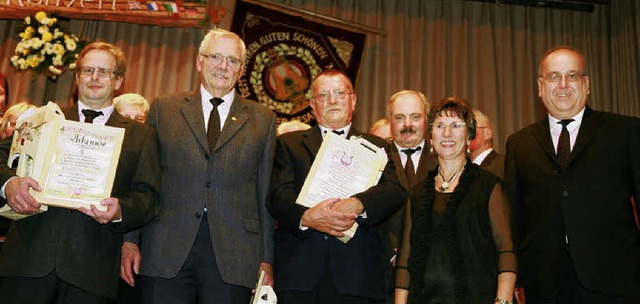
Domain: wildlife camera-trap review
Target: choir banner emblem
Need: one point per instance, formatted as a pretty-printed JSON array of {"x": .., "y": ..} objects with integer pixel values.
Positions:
[{"x": 285, "y": 52}]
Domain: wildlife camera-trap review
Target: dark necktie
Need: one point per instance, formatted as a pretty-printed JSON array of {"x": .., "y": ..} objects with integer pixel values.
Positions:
[
  {"x": 213, "y": 126},
  {"x": 564, "y": 145},
  {"x": 409, "y": 168},
  {"x": 90, "y": 115}
]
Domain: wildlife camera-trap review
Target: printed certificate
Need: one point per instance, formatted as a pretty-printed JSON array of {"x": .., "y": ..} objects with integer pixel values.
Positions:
[
  {"x": 342, "y": 168},
  {"x": 75, "y": 163}
]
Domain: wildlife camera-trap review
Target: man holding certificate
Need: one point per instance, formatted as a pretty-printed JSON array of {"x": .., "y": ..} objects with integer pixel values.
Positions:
[
  {"x": 311, "y": 264},
  {"x": 73, "y": 255}
]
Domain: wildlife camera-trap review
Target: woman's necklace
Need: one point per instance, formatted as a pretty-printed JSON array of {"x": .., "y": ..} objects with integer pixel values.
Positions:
[{"x": 445, "y": 184}]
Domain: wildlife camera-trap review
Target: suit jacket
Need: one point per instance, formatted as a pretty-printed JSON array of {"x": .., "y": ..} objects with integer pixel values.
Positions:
[
  {"x": 494, "y": 163},
  {"x": 357, "y": 267},
  {"x": 82, "y": 251},
  {"x": 589, "y": 202},
  {"x": 427, "y": 163},
  {"x": 232, "y": 182}
]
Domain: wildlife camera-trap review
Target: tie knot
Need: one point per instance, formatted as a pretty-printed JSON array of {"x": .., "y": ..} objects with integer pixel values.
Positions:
[
  {"x": 90, "y": 115},
  {"x": 409, "y": 152},
  {"x": 339, "y": 132},
  {"x": 565, "y": 122},
  {"x": 216, "y": 101}
]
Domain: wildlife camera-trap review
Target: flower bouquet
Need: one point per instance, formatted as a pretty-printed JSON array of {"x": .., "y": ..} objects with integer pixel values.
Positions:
[{"x": 45, "y": 47}]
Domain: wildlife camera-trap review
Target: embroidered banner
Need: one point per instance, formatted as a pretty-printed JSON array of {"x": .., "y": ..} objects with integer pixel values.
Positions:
[{"x": 285, "y": 52}]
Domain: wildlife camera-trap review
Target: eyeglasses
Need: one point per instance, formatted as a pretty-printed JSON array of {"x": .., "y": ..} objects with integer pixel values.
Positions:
[
  {"x": 217, "y": 59},
  {"x": 453, "y": 126},
  {"x": 338, "y": 95},
  {"x": 102, "y": 73},
  {"x": 557, "y": 77}
]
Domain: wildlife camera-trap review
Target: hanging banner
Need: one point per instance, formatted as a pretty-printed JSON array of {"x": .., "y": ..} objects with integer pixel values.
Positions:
[{"x": 285, "y": 52}]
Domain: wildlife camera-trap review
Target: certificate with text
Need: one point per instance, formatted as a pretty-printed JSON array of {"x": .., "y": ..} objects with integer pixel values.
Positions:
[{"x": 342, "y": 168}]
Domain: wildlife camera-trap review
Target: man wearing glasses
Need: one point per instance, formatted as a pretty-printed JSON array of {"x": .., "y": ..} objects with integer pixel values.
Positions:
[
  {"x": 481, "y": 150},
  {"x": 72, "y": 256},
  {"x": 312, "y": 265},
  {"x": 214, "y": 232},
  {"x": 572, "y": 178}
]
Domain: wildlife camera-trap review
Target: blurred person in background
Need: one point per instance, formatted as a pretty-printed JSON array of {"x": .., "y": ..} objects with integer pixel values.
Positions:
[{"x": 133, "y": 106}]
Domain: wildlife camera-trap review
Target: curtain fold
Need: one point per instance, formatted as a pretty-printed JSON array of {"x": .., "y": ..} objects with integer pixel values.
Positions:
[{"x": 486, "y": 53}]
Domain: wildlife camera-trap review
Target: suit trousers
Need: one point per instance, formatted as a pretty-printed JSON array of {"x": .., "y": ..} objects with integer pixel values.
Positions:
[
  {"x": 49, "y": 289},
  {"x": 324, "y": 292},
  {"x": 198, "y": 281},
  {"x": 575, "y": 293}
]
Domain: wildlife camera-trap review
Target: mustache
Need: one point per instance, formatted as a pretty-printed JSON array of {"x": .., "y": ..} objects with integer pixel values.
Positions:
[{"x": 407, "y": 130}]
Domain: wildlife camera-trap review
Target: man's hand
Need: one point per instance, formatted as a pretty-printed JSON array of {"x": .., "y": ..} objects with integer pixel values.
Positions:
[
  {"x": 130, "y": 262},
  {"x": 18, "y": 196},
  {"x": 349, "y": 205},
  {"x": 268, "y": 274},
  {"x": 113, "y": 211},
  {"x": 322, "y": 217}
]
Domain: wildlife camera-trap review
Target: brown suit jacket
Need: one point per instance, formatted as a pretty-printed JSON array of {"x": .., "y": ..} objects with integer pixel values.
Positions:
[
  {"x": 494, "y": 163},
  {"x": 231, "y": 182},
  {"x": 82, "y": 251}
]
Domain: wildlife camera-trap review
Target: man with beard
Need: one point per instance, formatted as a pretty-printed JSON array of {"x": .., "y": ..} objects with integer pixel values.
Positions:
[{"x": 407, "y": 112}]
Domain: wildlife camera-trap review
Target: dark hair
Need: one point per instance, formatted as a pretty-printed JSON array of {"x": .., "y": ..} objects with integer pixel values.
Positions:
[{"x": 453, "y": 106}]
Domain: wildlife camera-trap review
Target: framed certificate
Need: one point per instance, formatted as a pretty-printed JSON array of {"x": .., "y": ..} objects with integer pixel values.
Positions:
[{"x": 75, "y": 163}]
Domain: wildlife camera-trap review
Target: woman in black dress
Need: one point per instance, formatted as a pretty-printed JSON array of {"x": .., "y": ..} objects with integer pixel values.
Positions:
[{"x": 457, "y": 245}]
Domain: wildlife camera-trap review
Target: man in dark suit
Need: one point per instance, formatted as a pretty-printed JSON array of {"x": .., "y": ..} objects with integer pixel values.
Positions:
[
  {"x": 72, "y": 256},
  {"x": 481, "y": 147},
  {"x": 312, "y": 266},
  {"x": 214, "y": 233},
  {"x": 407, "y": 113},
  {"x": 571, "y": 178}
]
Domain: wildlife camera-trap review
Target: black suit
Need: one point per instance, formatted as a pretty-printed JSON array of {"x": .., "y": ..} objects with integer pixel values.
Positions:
[
  {"x": 357, "y": 268},
  {"x": 589, "y": 203},
  {"x": 494, "y": 163},
  {"x": 81, "y": 251}
]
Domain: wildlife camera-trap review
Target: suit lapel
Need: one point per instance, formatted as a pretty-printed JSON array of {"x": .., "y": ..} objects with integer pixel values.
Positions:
[
  {"x": 591, "y": 123},
  {"x": 237, "y": 117},
  {"x": 117, "y": 120},
  {"x": 312, "y": 140},
  {"x": 542, "y": 135},
  {"x": 487, "y": 160},
  {"x": 193, "y": 108},
  {"x": 426, "y": 164},
  {"x": 71, "y": 113},
  {"x": 395, "y": 156}
]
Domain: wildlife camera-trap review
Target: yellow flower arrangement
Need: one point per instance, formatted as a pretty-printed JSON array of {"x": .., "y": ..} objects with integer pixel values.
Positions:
[{"x": 45, "y": 47}]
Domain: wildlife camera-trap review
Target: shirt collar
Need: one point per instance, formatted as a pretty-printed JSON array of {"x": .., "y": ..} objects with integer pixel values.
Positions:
[
  {"x": 480, "y": 158},
  {"x": 324, "y": 130},
  {"x": 106, "y": 112},
  {"x": 206, "y": 97},
  {"x": 555, "y": 127},
  {"x": 421, "y": 145}
]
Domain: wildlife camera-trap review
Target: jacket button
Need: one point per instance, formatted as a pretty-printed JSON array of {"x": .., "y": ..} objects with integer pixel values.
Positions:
[
  {"x": 565, "y": 193},
  {"x": 198, "y": 215},
  {"x": 206, "y": 156},
  {"x": 208, "y": 184}
]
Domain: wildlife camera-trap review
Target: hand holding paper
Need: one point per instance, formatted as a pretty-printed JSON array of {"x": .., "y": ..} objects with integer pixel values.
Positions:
[
  {"x": 112, "y": 213},
  {"x": 322, "y": 217},
  {"x": 18, "y": 196}
]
